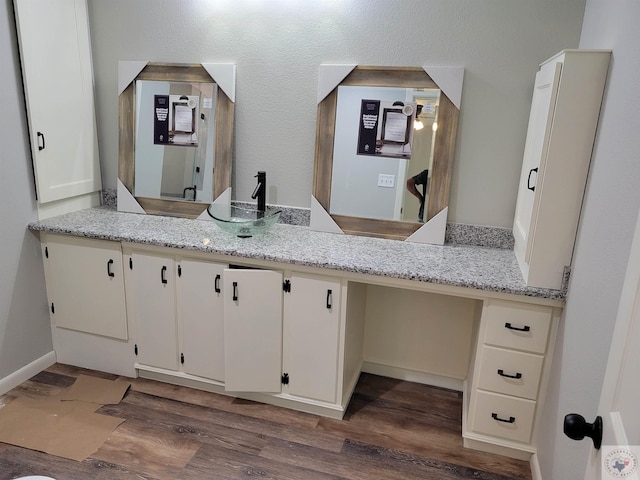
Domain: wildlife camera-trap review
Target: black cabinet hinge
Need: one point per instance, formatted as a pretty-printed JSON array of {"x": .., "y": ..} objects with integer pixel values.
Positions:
[
  {"x": 182, "y": 358},
  {"x": 135, "y": 349},
  {"x": 53, "y": 308},
  {"x": 179, "y": 270},
  {"x": 285, "y": 379},
  {"x": 46, "y": 252},
  {"x": 286, "y": 286},
  {"x": 130, "y": 263}
]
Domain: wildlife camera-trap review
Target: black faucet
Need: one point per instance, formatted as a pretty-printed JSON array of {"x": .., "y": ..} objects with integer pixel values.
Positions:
[{"x": 261, "y": 191}]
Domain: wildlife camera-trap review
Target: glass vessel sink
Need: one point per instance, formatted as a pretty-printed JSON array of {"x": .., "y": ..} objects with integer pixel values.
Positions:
[{"x": 241, "y": 221}]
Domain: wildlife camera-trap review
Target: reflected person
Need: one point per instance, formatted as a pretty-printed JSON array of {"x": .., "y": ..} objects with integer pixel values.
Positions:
[{"x": 420, "y": 179}]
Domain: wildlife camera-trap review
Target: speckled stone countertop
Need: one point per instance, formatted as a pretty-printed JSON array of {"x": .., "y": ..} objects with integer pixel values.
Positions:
[{"x": 483, "y": 268}]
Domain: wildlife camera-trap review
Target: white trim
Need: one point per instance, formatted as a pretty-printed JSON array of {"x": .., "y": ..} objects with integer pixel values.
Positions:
[
  {"x": 126, "y": 201},
  {"x": 433, "y": 231},
  {"x": 449, "y": 79},
  {"x": 330, "y": 76},
  {"x": 128, "y": 70},
  {"x": 321, "y": 221},
  {"x": 413, "y": 376},
  {"x": 224, "y": 74},
  {"x": 14, "y": 379},
  {"x": 536, "y": 473}
]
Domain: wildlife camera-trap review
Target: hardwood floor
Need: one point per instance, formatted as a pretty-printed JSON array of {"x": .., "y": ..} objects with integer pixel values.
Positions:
[{"x": 392, "y": 430}]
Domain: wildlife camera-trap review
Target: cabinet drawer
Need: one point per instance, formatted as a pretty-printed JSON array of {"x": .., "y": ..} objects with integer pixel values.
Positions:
[
  {"x": 497, "y": 368},
  {"x": 518, "y": 326},
  {"x": 503, "y": 416}
]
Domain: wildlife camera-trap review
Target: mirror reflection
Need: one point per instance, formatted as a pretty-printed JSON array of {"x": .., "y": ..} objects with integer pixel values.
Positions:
[
  {"x": 383, "y": 152},
  {"x": 174, "y": 138}
]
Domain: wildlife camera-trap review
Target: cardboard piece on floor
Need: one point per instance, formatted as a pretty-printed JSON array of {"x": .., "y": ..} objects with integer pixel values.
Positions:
[
  {"x": 96, "y": 390},
  {"x": 65, "y": 429}
]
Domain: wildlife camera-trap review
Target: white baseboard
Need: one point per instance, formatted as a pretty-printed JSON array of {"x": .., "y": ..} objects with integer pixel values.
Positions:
[
  {"x": 25, "y": 373},
  {"x": 536, "y": 474},
  {"x": 413, "y": 376}
]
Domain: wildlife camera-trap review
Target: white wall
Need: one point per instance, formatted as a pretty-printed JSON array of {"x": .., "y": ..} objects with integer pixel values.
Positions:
[
  {"x": 278, "y": 45},
  {"x": 25, "y": 334},
  {"x": 609, "y": 213}
]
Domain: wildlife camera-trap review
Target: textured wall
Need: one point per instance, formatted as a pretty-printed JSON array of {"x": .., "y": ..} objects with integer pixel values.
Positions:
[
  {"x": 278, "y": 45},
  {"x": 25, "y": 334},
  {"x": 602, "y": 250}
]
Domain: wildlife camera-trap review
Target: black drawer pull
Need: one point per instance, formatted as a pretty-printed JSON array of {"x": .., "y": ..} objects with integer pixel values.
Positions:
[
  {"x": 235, "y": 291},
  {"x": 163, "y": 272},
  {"x": 216, "y": 284},
  {"x": 40, "y": 144},
  {"x": 496, "y": 417},
  {"x": 109, "y": 272},
  {"x": 526, "y": 328},
  {"x": 329, "y": 300},
  {"x": 529, "y": 186},
  {"x": 517, "y": 376}
]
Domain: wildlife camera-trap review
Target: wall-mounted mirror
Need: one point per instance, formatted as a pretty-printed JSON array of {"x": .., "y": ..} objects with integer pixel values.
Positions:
[
  {"x": 384, "y": 150},
  {"x": 176, "y": 133}
]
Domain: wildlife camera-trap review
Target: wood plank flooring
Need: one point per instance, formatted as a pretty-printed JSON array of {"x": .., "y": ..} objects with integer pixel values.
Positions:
[{"x": 392, "y": 430}]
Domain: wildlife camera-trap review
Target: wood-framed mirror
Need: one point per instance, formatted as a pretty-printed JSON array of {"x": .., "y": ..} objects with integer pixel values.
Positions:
[
  {"x": 176, "y": 134},
  {"x": 353, "y": 101}
]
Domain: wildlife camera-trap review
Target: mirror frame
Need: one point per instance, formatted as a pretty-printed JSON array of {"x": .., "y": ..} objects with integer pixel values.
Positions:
[
  {"x": 444, "y": 147},
  {"x": 166, "y": 72}
]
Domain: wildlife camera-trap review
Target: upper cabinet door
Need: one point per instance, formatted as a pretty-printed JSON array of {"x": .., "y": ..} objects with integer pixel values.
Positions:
[
  {"x": 545, "y": 92},
  {"x": 57, "y": 73}
]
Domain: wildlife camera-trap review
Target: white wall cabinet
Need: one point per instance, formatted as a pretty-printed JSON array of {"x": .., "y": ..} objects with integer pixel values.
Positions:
[
  {"x": 562, "y": 126},
  {"x": 86, "y": 293},
  {"x": 55, "y": 52}
]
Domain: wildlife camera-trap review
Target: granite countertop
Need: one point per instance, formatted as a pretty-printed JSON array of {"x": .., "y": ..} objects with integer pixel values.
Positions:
[{"x": 482, "y": 268}]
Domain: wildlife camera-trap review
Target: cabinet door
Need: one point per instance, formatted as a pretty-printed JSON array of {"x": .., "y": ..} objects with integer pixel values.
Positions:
[
  {"x": 311, "y": 336},
  {"x": 58, "y": 79},
  {"x": 154, "y": 305},
  {"x": 540, "y": 122},
  {"x": 85, "y": 285},
  {"x": 252, "y": 330},
  {"x": 201, "y": 318}
]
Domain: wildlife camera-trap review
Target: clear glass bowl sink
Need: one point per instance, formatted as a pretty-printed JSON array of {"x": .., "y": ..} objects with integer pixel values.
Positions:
[{"x": 241, "y": 221}]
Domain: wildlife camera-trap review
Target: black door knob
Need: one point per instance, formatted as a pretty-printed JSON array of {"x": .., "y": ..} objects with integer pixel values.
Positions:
[{"x": 576, "y": 428}]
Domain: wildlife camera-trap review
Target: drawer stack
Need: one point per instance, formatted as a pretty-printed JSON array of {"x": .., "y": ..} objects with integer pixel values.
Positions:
[{"x": 508, "y": 373}]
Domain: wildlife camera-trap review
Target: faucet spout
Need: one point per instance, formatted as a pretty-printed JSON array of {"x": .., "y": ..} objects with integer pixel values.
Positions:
[{"x": 260, "y": 191}]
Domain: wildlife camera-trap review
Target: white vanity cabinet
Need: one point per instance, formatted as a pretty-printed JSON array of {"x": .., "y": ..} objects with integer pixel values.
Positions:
[
  {"x": 313, "y": 316},
  {"x": 510, "y": 372},
  {"x": 176, "y": 306},
  {"x": 86, "y": 293},
  {"x": 55, "y": 53},
  {"x": 253, "y": 330},
  {"x": 562, "y": 126}
]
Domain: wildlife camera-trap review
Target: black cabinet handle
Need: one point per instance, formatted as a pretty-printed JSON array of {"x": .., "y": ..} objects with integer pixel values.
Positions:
[
  {"x": 216, "y": 284},
  {"x": 109, "y": 272},
  {"x": 235, "y": 291},
  {"x": 526, "y": 328},
  {"x": 329, "y": 298},
  {"x": 529, "y": 186},
  {"x": 496, "y": 417},
  {"x": 40, "y": 137},
  {"x": 163, "y": 273},
  {"x": 517, "y": 376}
]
